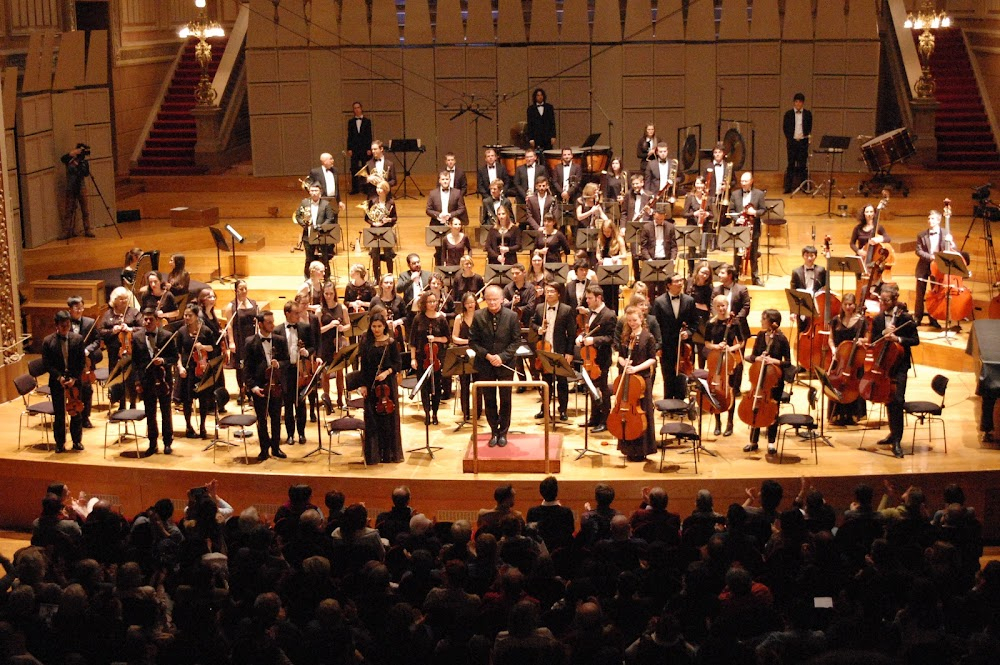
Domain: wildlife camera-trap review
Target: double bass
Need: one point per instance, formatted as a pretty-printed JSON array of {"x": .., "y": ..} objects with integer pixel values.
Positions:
[
  {"x": 813, "y": 350},
  {"x": 876, "y": 384},
  {"x": 758, "y": 408},
  {"x": 879, "y": 259},
  {"x": 627, "y": 420},
  {"x": 948, "y": 299}
]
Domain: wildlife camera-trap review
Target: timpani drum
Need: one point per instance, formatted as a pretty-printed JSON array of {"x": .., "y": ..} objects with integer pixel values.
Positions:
[
  {"x": 597, "y": 159},
  {"x": 883, "y": 151},
  {"x": 511, "y": 158},
  {"x": 554, "y": 157}
]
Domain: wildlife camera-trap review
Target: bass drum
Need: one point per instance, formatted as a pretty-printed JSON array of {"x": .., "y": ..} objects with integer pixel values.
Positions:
[{"x": 883, "y": 151}]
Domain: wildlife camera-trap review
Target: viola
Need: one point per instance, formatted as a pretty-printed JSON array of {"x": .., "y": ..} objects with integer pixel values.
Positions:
[
  {"x": 720, "y": 364},
  {"x": 161, "y": 381},
  {"x": 201, "y": 361},
  {"x": 272, "y": 377},
  {"x": 541, "y": 344},
  {"x": 588, "y": 354},
  {"x": 432, "y": 358},
  {"x": 627, "y": 420},
  {"x": 74, "y": 405},
  {"x": 847, "y": 368},
  {"x": 948, "y": 299},
  {"x": 876, "y": 384},
  {"x": 759, "y": 408},
  {"x": 305, "y": 371},
  {"x": 89, "y": 376},
  {"x": 384, "y": 405},
  {"x": 685, "y": 354}
]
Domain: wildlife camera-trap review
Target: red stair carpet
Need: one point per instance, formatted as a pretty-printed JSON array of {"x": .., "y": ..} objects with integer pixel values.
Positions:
[
  {"x": 965, "y": 140},
  {"x": 169, "y": 150}
]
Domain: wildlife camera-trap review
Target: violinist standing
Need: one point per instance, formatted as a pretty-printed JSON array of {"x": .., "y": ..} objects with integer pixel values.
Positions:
[
  {"x": 380, "y": 365},
  {"x": 675, "y": 313},
  {"x": 600, "y": 334},
  {"x": 770, "y": 347},
  {"x": 889, "y": 322},
  {"x": 429, "y": 329},
  {"x": 495, "y": 336},
  {"x": 555, "y": 323},
  {"x": 153, "y": 356},
  {"x": 63, "y": 359},
  {"x": 266, "y": 351},
  {"x": 301, "y": 346},
  {"x": 929, "y": 242},
  {"x": 118, "y": 321},
  {"x": 638, "y": 356},
  {"x": 519, "y": 296},
  {"x": 719, "y": 335},
  {"x": 195, "y": 336},
  {"x": 83, "y": 325},
  {"x": 808, "y": 277}
]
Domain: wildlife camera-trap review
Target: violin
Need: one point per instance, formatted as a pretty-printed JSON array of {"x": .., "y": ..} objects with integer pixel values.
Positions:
[
  {"x": 685, "y": 354},
  {"x": 876, "y": 384},
  {"x": 74, "y": 405},
  {"x": 200, "y": 361},
  {"x": 541, "y": 344},
  {"x": 847, "y": 368},
  {"x": 384, "y": 406},
  {"x": 948, "y": 299},
  {"x": 432, "y": 358},
  {"x": 88, "y": 377},
  {"x": 161, "y": 381},
  {"x": 588, "y": 354},
  {"x": 720, "y": 364},
  {"x": 759, "y": 408},
  {"x": 125, "y": 338},
  {"x": 304, "y": 368},
  {"x": 627, "y": 420},
  {"x": 272, "y": 377}
]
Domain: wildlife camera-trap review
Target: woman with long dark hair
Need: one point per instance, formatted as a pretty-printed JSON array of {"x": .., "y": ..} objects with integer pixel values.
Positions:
[
  {"x": 245, "y": 309},
  {"x": 380, "y": 365},
  {"x": 194, "y": 338},
  {"x": 333, "y": 323},
  {"x": 429, "y": 329},
  {"x": 460, "y": 337},
  {"x": 178, "y": 280}
]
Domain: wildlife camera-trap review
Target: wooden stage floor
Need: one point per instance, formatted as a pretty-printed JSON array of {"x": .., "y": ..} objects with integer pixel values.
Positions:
[{"x": 264, "y": 207}]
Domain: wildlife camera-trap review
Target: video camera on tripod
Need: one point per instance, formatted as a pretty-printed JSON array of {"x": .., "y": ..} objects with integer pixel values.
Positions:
[
  {"x": 79, "y": 161},
  {"x": 985, "y": 207}
]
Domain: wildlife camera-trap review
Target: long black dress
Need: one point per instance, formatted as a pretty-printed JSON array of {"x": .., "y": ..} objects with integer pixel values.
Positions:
[
  {"x": 840, "y": 413},
  {"x": 715, "y": 332},
  {"x": 383, "y": 441},
  {"x": 637, "y": 449},
  {"x": 430, "y": 394}
]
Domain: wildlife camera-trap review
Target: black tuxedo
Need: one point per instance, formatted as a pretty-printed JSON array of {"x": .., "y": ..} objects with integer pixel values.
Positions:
[
  {"x": 740, "y": 306},
  {"x": 295, "y": 409},
  {"x": 575, "y": 181},
  {"x": 670, "y": 329},
  {"x": 799, "y": 282},
  {"x": 83, "y": 327},
  {"x": 459, "y": 181},
  {"x": 255, "y": 376},
  {"x": 488, "y": 213},
  {"x": 647, "y": 242},
  {"x": 569, "y": 296},
  {"x": 738, "y": 201},
  {"x": 359, "y": 142},
  {"x": 909, "y": 338},
  {"x": 602, "y": 329},
  {"x": 498, "y": 334},
  {"x": 404, "y": 286},
  {"x": 798, "y": 150},
  {"x": 541, "y": 127},
  {"x": 925, "y": 257},
  {"x": 523, "y": 184},
  {"x": 390, "y": 174},
  {"x": 326, "y": 218},
  {"x": 318, "y": 176},
  {"x": 58, "y": 368},
  {"x": 563, "y": 340},
  {"x": 141, "y": 358},
  {"x": 535, "y": 216},
  {"x": 483, "y": 179},
  {"x": 653, "y": 184},
  {"x": 455, "y": 205}
]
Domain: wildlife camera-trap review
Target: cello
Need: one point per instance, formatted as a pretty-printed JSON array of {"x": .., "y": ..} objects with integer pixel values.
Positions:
[
  {"x": 876, "y": 384},
  {"x": 759, "y": 408},
  {"x": 720, "y": 364},
  {"x": 627, "y": 420},
  {"x": 948, "y": 298},
  {"x": 847, "y": 368},
  {"x": 813, "y": 350}
]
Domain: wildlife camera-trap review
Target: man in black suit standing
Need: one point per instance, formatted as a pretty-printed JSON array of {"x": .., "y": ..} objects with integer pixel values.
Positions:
[
  {"x": 266, "y": 351},
  {"x": 62, "y": 356},
  {"x": 738, "y": 295},
  {"x": 600, "y": 334},
  {"x": 492, "y": 169},
  {"x": 930, "y": 241},
  {"x": 456, "y": 176},
  {"x": 325, "y": 175},
  {"x": 298, "y": 337},
  {"x": 526, "y": 174},
  {"x": 541, "y": 128},
  {"x": 82, "y": 326},
  {"x": 797, "y": 126},
  {"x": 380, "y": 168},
  {"x": 658, "y": 241},
  {"x": 567, "y": 179},
  {"x": 675, "y": 312},
  {"x": 658, "y": 171},
  {"x": 890, "y": 323},
  {"x": 576, "y": 289},
  {"x": 749, "y": 201},
  {"x": 153, "y": 356},
  {"x": 636, "y": 208},
  {"x": 320, "y": 218},
  {"x": 359, "y": 141},
  {"x": 495, "y": 336},
  {"x": 808, "y": 277},
  {"x": 411, "y": 284},
  {"x": 555, "y": 323},
  {"x": 446, "y": 201}
]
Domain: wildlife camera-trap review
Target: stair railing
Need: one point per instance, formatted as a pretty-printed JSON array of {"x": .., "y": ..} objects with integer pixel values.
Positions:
[
  {"x": 906, "y": 47},
  {"x": 984, "y": 90}
]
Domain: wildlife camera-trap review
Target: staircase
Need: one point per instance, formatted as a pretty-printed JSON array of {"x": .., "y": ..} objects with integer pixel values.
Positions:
[
  {"x": 169, "y": 149},
  {"x": 965, "y": 139}
]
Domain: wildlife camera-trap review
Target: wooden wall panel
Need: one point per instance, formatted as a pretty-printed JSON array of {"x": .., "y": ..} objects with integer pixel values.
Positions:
[
  {"x": 324, "y": 28},
  {"x": 639, "y": 18},
  {"x": 861, "y": 20},
  {"x": 479, "y": 24},
  {"x": 510, "y": 23},
  {"x": 97, "y": 58},
  {"x": 668, "y": 59},
  {"x": 354, "y": 14},
  {"x": 733, "y": 58},
  {"x": 831, "y": 22},
  {"x": 700, "y": 91},
  {"x": 325, "y": 92},
  {"x": 768, "y": 141},
  {"x": 700, "y": 21},
  {"x": 544, "y": 25},
  {"x": 71, "y": 66},
  {"x": 28, "y": 15},
  {"x": 575, "y": 27},
  {"x": 295, "y": 133},
  {"x": 608, "y": 99},
  {"x": 798, "y": 20},
  {"x": 734, "y": 23},
  {"x": 607, "y": 22},
  {"x": 670, "y": 21},
  {"x": 449, "y": 22},
  {"x": 766, "y": 23},
  {"x": 417, "y": 28},
  {"x": 385, "y": 25}
]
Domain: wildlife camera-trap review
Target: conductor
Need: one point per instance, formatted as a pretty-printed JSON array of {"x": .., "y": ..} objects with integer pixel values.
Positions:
[{"x": 495, "y": 336}]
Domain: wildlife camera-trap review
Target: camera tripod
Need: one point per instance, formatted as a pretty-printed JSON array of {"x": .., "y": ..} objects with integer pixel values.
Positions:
[
  {"x": 114, "y": 221},
  {"x": 986, "y": 211}
]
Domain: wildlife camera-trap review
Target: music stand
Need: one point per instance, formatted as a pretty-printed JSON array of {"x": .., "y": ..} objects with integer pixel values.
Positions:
[
  {"x": 691, "y": 238},
  {"x": 222, "y": 246},
  {"x": 529, "y": 238},
  {"x": 831, "y": 146},
  {"x": 427, "y": 447},
  {"x": 557, "y": 272},
  {"x": 458, "y": 361},
  {"x": 656, "y": 270},
  {"x": 448, "y": 272},
  {"x": 554, "y": 364},
  {"x": 950, "y": 263},
  {"x": 499, "y": 274},
  {"x": 704, "y": 392},
  {"x": 589, "y": 395},
  {"x": 775, "y": 207},
  {"x": 844, "y": 264},
  {"x": 212, "y": 375},
  {"x": 379, "y": 237},
  {"x": 633, "y": 232},
  {"x": 612, "y": 275},
  {"x": 406, "y": 146},
  {"x": 587, "y": 239},
  {"x": 359, "y": 324},
  {"x": 302, "y": 396},
  {"x": 120, "y": 372},
  {"x": 734, "y": 238},
  {"x": 434, "y": 237}
]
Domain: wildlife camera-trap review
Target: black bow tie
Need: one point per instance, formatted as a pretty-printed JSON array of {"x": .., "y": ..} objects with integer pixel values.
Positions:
[
  {"x": 451, "y": 170},
  {"x": 799, "y": 112},
  {"x": 552, "y": 309},
  {"x": 265, "y": 340},
  {"x": 932, "y": 233},
  {"x": 675, "y": 297},
  {"x": 663, "y": 161}
]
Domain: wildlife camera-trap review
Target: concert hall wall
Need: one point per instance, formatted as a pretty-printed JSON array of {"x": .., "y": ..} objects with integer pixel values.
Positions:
[{"x": 305, "y": 70}]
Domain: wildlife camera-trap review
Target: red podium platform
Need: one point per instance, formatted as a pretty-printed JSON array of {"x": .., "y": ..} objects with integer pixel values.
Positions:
[{"x": 524, "y": 453}]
